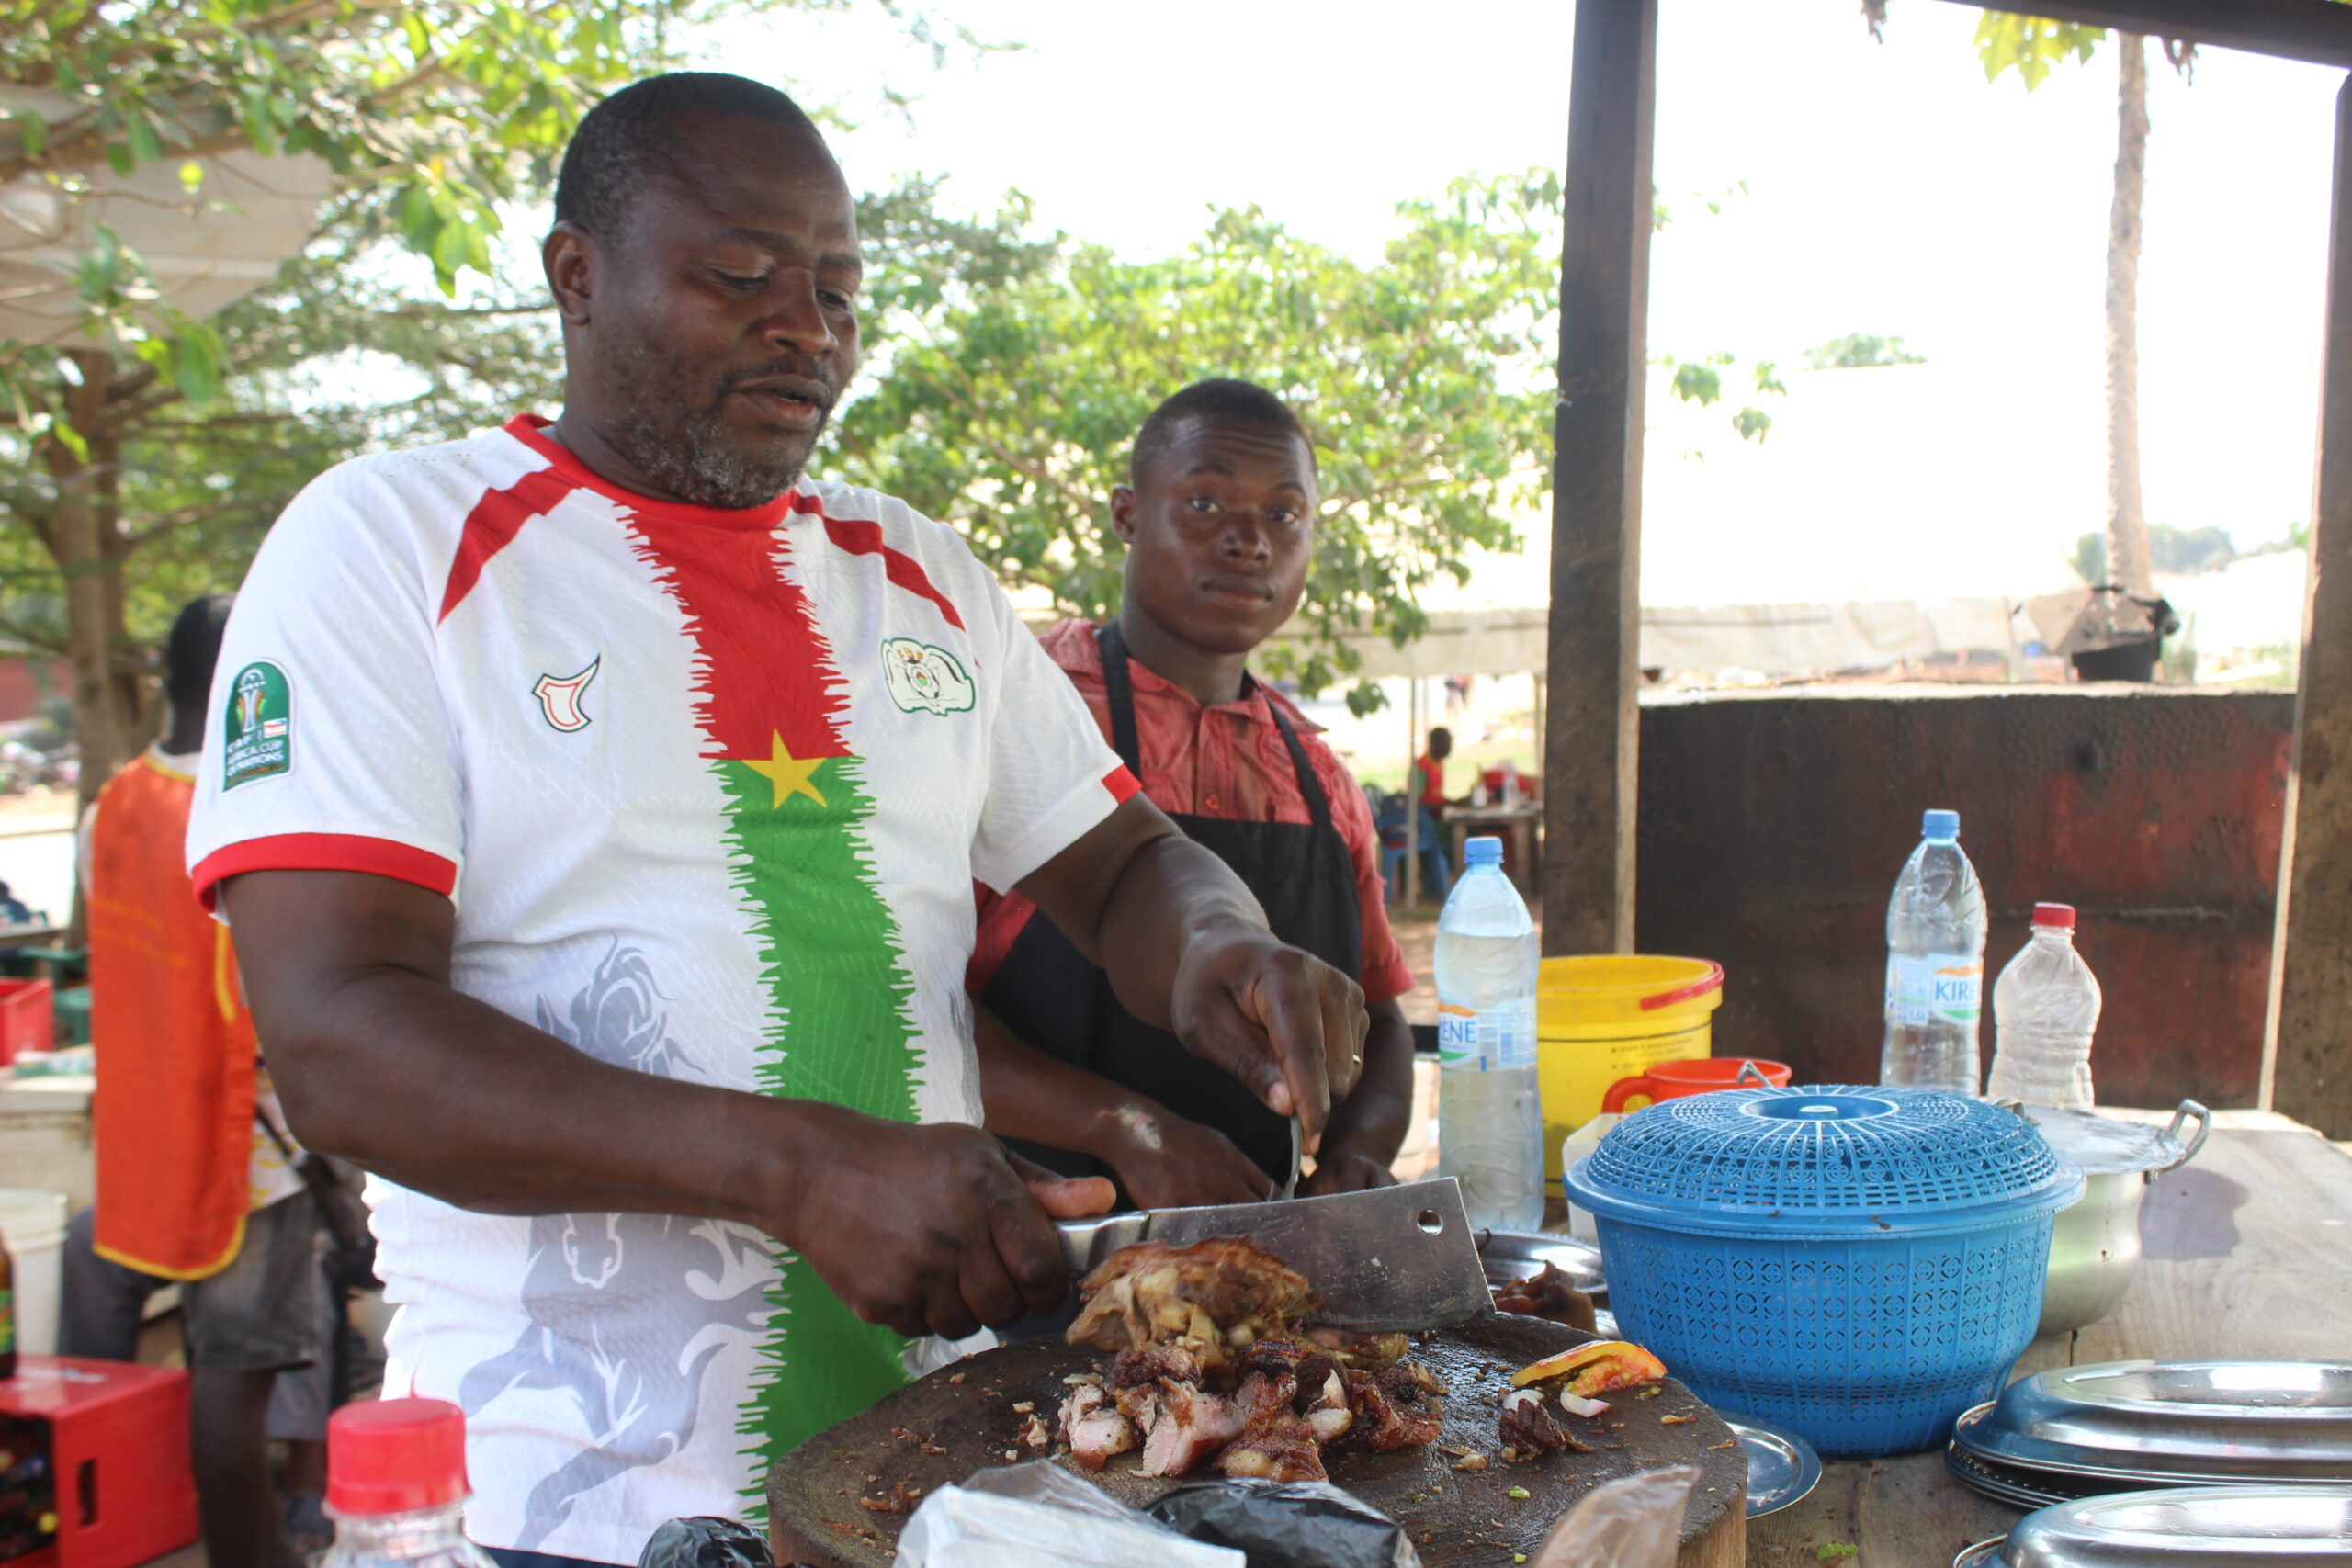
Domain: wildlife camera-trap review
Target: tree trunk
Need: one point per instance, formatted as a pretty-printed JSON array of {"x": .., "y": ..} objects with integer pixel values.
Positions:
[
  {"x": 89, "y": 547},
  {"x": 2128, "y": 560}
]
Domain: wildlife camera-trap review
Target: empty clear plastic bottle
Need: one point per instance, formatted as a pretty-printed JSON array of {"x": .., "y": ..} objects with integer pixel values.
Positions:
[
  {"x": 396, "y": 1486},
  {"x": 1935, "y": 965},
  {"x": 2046, "y": 1008},
  {"x": 1491, "y": 1113}
]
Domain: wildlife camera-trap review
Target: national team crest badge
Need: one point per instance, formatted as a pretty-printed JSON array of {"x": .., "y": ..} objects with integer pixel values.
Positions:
[
  {"x": 560, "y": 697},
  {"x": 257, "y": 730},
  {"x": 923, "y": 679}
]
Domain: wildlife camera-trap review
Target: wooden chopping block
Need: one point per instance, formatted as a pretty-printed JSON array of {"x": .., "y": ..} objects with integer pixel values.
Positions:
[{"x": 936, "y": 1431}]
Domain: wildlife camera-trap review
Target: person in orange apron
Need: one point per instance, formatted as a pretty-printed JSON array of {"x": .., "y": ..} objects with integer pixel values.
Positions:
[
  {"x": 197, "y": 1176},
  {"x": 1219, "y": 523}
]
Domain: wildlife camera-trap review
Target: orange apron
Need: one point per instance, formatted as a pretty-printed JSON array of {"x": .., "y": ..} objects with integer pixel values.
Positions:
[{"x": 172, "y": 1117}]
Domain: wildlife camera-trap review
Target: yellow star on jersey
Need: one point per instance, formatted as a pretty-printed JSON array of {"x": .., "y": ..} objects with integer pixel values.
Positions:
[{"x": 788, "y": 774}]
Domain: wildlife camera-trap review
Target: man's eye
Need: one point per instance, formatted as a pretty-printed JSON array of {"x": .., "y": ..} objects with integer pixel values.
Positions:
[
  {"x": 741, "y": 281},
  {"x": 1202, "y": 503},
  {"x": 833, "y": 301}
]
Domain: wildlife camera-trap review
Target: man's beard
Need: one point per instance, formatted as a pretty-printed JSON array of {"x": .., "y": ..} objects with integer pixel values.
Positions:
[{"x": 685, "y": 450}]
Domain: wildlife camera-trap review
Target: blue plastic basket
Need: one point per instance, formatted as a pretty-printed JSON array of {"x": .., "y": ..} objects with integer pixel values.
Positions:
[{"x": 1860, "y": 1265}]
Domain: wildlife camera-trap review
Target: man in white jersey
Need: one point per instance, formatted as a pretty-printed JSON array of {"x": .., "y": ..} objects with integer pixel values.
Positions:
[{"x": 597, "y": 805}]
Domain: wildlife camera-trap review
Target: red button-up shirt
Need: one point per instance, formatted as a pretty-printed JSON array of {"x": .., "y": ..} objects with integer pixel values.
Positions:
[{"x": 1224, "y": 760}]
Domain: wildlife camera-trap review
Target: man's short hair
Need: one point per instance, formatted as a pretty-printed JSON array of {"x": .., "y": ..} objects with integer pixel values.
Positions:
[
  {"x": 629, "y": 140},
  {"x": 1222, "y": 397},
  {"x": 193, "y": 648}
]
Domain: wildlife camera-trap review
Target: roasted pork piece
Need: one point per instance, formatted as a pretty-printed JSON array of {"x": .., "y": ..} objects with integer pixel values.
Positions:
[
  {"x": 1181, "y": 1422},
  {"x": 1207, "y": 1297},
  {"x": 1528, "y": 1428},
  {"x": 1549, "y": 1293},
  {"x": 1401, "y": 1407},
  {"x": 1189, "y": 1322},
  {"x": 1093, "y": 1427},
  {"x": 1276, "y": 1442}
]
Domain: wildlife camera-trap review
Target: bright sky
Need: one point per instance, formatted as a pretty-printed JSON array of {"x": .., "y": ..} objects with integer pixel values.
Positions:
[{"x": 1889, "y": 190}]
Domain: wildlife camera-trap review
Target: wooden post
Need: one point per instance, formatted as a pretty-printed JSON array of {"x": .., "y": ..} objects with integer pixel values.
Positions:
[
  {"x": 1592, "y": 731},
  {"x": 2307, "y": 1057},
  {"x": 1413, "y": 795}
]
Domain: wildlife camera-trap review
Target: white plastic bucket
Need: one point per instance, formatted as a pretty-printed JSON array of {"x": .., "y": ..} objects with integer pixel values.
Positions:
[{"x": 33, "y": 1223}]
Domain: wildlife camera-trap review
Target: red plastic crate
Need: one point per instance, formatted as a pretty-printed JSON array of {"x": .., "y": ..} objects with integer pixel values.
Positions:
[
  {"x": 27, "y": 1017},
  {"x": 117, "y": 1448}
]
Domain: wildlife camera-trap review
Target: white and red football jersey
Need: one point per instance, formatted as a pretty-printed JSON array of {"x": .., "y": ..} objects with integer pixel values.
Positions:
[{"x": 709, "y": 791}]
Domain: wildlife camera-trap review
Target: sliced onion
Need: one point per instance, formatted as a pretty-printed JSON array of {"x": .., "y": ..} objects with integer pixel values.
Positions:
[
  {"x": 1520, "y": 1398},
  {"x": 1577, "y": 1405}
]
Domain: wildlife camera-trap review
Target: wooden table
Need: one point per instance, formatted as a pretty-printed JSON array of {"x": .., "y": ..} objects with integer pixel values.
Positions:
[
  {"x": 2248, "y": 1254},
  {"x": 1517, "y": 822}
]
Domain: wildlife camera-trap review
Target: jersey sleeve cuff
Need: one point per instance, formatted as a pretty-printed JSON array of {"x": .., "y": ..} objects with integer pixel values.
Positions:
[
  {"x": 323, "y": 852},
  {"x": 1389, "y": 982},
  {"x": 1063, "y": 826}
]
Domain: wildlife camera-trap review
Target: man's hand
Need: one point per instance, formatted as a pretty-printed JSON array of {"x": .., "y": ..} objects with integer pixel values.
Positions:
[
  {"x": 928, "y": 1230},
  {"x": 1173, "y": 1162},
  {"x": 1286, "y": 1024},
  {"x": 1187, "y": 948},
  {"x": 1344, "y": 1172}
]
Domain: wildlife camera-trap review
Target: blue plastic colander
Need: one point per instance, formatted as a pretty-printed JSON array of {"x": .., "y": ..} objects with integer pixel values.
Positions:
[{"x": 1860, "y": 1265}]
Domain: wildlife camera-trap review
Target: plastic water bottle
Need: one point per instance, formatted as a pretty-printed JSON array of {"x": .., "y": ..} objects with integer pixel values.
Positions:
[
  {"x": 1490, "y": 1114},
  {"x": 396, "y": 1486},
  {"x": 1935, "y": 965},
  {"x": 2046, "y": 1008}
]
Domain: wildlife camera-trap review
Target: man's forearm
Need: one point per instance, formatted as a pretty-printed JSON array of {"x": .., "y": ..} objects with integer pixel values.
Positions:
[
  {"x": 1028, "y": 1095},
  {"x": 387, "y": 1066},
  {"x": 1173, "y": 891}
]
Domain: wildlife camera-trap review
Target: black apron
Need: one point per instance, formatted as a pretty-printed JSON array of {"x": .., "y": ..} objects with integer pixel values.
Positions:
[{"x": 1048, "y": 995}]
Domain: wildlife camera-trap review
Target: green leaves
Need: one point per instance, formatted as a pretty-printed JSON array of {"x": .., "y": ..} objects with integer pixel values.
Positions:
[
  {"x": 1010, "y": 382},
  {"x": 2032, "y": 45}
]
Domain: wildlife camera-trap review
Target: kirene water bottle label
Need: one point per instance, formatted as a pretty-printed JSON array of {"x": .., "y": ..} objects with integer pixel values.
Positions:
[
  {"x": 1949, "y": 986},
  {"x": 1492, "y": 1039}
]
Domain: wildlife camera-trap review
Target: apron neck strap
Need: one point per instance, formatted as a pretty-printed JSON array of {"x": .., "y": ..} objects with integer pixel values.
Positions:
[{"x": 1119, "y": 694}]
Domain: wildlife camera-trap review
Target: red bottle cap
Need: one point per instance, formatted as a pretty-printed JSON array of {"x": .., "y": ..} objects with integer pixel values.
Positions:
[
  {"x": 2054, "y": 915},
  {"x": 395, "y": 1456}
]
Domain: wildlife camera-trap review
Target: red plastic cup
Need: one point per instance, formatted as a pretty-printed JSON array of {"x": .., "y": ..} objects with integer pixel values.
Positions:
[{"x": 1672, "y": 1080}]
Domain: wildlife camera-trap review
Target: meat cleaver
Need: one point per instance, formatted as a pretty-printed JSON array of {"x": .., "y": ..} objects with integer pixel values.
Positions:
[{"x": 1386, "y": 1262}]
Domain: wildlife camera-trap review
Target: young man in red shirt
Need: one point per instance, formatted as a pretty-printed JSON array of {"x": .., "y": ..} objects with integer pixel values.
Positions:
[{"x": 1218, "y": 517}]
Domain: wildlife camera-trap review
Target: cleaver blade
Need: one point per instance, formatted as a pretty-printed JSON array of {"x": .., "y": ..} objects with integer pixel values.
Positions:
[{"x": 1386, "y": 1262}]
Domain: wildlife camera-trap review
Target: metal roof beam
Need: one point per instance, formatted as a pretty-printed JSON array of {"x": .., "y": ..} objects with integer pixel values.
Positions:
[{"x": 2319, "y": 31}]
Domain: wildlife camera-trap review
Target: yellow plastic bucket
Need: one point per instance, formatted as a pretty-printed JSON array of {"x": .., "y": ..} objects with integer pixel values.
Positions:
[{"x": 1601, "y": 1017}]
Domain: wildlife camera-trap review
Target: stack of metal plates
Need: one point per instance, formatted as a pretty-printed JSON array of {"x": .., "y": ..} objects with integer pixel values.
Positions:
[
  {"x": 2203, "y": 1527},
  {"x": 2077, "y": 1432}
]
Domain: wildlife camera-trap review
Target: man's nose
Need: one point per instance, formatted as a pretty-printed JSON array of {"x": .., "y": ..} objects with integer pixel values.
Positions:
[
  {"x": 1245, "y": 536},
  {"x": 797, "y": 321}
]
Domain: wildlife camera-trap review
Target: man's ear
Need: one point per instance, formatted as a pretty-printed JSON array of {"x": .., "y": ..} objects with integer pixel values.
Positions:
[
  {"x": 569, "y": 255},
  {"x": 1123, "y": 512}
]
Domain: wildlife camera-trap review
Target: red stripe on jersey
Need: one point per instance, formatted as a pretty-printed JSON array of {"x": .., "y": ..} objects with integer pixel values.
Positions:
[
  {"x": 491, "y": 525},
  {"x": 325, "y": 852},
  {"x": 1121, "y": 784},
  {"x": 755, "y": 625},
  {"x": 863, "y": 537}
]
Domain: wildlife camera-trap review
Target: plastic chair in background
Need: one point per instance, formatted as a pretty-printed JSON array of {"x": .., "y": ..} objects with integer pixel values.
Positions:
[{"x": 1388, "y": 820}]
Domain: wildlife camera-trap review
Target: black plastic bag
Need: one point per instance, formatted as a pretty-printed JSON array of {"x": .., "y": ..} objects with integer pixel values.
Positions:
[
  {"x": 706, "y": 1543},
  {"x": 1306, "y": 1524}
]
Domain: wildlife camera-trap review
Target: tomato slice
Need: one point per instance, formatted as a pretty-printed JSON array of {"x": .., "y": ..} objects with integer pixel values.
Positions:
[{"x": 1594, "y": 1369}]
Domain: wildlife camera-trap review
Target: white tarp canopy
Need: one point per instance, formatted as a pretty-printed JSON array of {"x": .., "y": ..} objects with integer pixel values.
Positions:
[
  {"x": 249, "y": 214},
  {"x": 1773, "y": 639}
]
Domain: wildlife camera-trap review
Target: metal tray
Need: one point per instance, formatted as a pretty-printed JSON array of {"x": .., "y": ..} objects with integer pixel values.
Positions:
[
  {"x": 2017, "y": 1487},
  {"x": 1982, "y": 1554},
  {"x": 2201, "y": 1527},
  {"x": 1514, "y": 1255},
  {"x": 1782, "y": 1466},
  {"x": 2174, "y": 1422}
]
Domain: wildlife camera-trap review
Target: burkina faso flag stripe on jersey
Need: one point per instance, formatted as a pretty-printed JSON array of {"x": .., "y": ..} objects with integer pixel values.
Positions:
[{"x": 769, "y": 698}]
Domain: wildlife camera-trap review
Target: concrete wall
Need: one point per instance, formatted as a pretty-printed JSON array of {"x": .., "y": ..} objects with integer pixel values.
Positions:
[{"x": 1772, "y": 827}]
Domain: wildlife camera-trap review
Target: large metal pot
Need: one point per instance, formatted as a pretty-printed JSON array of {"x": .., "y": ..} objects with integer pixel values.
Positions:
[{"x": 2094, "y": 1246}]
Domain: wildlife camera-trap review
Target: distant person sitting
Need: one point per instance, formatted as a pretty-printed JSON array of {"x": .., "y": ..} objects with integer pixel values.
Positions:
[
  {"x": 1429, "y": 768},
  {"x": 197, "y": 1176}
]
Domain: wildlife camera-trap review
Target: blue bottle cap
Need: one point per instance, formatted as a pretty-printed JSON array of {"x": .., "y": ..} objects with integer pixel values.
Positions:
[
  {"x": 1940, "y": 825},
  {"x": 1482, "y": 851}
]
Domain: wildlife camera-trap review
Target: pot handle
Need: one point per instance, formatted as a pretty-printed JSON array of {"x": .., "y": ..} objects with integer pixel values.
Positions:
[
  {"x": 1748, "y": 1071},
  {"x": 2204, "y": 1126}
]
